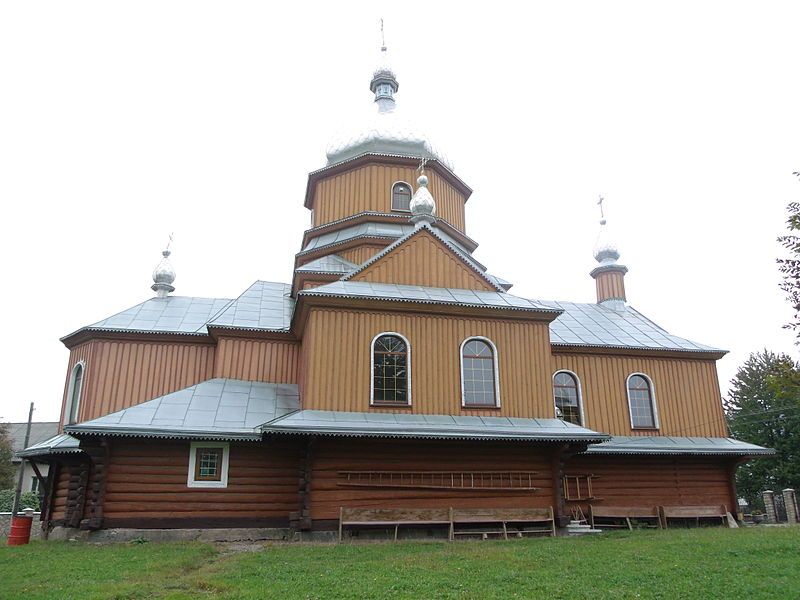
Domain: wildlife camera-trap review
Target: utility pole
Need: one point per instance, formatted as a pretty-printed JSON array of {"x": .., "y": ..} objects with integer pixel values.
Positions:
[{"x": 15, "y": 506}]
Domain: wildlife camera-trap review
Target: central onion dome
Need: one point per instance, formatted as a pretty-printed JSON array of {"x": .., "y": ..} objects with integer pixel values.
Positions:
[{"x": 385, "y": 132}]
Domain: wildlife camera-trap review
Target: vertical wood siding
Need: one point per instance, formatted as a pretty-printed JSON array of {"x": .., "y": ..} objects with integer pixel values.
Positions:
[
  {"x": 656, "y": 481},
  {"x": 332, "y": 455},
  {"x": 121, "y": 373},
  {"x": 361, "y": 254},
  {"x": 369, "y": 188},
  {"x": 147, "y": 479},
  {"x": 424, "y": 261},
  {"x": 610, "y": 284},
  {"x": 336, "y": 372},
  {"x": 686, "y": 393},
  {"x": 257, "y": 360}
]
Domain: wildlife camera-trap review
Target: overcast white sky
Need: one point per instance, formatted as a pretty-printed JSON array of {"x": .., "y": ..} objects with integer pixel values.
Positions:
[{"x": 122, "y": 122}]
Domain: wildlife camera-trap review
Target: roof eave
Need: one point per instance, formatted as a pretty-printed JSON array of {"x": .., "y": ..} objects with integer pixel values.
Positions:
[{"x": 163, "y": 433}]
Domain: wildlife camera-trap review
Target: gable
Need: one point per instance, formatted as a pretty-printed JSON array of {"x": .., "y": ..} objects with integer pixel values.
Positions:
[{"x": 423, "y": 260}]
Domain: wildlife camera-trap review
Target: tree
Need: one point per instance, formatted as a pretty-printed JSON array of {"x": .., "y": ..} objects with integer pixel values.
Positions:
[
  {"x": 7, "y": 469},
  {"x": 790, "y": 267},
  {"x": 763, "y": 407}
]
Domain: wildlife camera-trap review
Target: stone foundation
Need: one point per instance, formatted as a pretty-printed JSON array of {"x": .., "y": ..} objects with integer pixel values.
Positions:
[{"x": 172, "y": 535}]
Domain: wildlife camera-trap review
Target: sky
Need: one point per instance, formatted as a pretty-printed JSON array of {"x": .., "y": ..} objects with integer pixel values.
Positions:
[{"x": 121, "y": 123}]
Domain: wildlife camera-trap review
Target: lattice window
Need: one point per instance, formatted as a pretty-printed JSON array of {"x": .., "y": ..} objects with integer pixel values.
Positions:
[
  {"x": 567, "y": 398},
  {"x": 478, "y": 374},
  {"x": 401, "y": 196},
  {"x": 640, "y": 398},
  {"x": 390, "y": 379}
]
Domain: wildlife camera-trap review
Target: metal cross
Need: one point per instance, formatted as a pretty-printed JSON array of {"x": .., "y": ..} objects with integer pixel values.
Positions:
[
  {"x": 600, "y": 204},
  {"x": 383, "y": 38},
  {"x": 170, "y": 241},
  {"x": 422, "y": 162}
]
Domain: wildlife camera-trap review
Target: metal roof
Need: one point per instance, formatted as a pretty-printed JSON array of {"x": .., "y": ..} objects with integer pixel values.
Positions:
[
  {"x": 263, "y": 306},
  {"x": 332, "y": 263},
  {"x": 58, "y": 444},
  {"x": 172, "y": 314},
  {"x": 677, "y": 445},
  {"x": 426, "y": 295},
  {"x": 362, "y": 424},
  {"x": 214, "y": 409},
  {"x": 40, "y": 431},
  {"x": 369, "y": 229},
  {"x": 613, "y": 325}
]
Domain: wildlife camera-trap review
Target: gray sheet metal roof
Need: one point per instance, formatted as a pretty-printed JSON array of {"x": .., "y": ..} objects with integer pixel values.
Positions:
[
  {"x": 40, "y": 431},
  {"x": 677, "y": 445},
  {"x": 172, "y": 314},
  {"x": 426, "y": 295},
  {"x": 371, "y": 229},
  {"x": 214, "y": 409},
  {"x": 613, "y": 326},
  {"x": 264, "y": 306},
  {"x": 58, "y": 444},
  {"x": 332, "y": 263},
  {"x": 361, "y": 424}
]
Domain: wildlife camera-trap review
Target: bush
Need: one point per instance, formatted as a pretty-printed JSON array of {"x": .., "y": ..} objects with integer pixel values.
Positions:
[{"x": 26, "y": 500}]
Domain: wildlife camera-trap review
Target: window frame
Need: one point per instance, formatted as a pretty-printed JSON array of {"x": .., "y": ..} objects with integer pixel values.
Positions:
[
  {"x": 224, "y": 467},
  {"x": 579, "y": 390},
  {"x": 68, "y": 409},
  {"x": 391, "y": 197},
  {"x": 384, "y": 403},
  {"x": 656, "y": 424},
  {"x": 495, "y": 365}
]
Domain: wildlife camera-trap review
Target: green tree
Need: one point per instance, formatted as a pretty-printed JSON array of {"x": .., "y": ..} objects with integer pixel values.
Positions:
[
  {"x": 790, "y": 266},
  {"x": 763, "y": 407},
  {"x": 7, "y": 469}
]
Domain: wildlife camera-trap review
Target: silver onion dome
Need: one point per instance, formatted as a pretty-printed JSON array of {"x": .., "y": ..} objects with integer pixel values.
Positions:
[
  {"x": 605, "y": 250},
  {"x": 422, "y": 204},
  {"x": 386, "y": 131},
  {"x": 163, "y": 276}
]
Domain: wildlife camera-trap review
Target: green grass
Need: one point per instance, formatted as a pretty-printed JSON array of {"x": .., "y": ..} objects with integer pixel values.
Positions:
[{"x": 698, "y": 563}]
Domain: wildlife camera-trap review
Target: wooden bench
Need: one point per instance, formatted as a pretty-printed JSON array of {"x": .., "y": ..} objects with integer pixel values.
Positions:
[
  {"x": 623, "y": 513},
  {"x": 391, "y": 517},
  {"x": 525, "y": 521},
  {"x": 694, "y": 512}
]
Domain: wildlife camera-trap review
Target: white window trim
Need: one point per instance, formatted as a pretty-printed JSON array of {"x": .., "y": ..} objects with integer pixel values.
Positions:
[
  {"x": 496, "y": 372},
  {"x": 653, "y": 402},
  {"x": 580, "y": 394},
  {"x": 223, "y": 482},
  {"x": 68, "y": 409},
  {"x": 391, "y": 197},
  {"x": 372, "y": 371}
]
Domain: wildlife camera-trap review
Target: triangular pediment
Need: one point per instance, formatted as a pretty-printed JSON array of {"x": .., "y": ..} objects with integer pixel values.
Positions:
[{"x": 423, "y": 258}]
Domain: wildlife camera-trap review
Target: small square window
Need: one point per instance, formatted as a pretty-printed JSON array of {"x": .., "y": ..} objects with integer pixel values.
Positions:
[{"x": 208, "y": 465}]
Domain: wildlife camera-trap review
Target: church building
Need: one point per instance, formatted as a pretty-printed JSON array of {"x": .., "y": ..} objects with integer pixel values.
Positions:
[{"x": 393, "y": 374}]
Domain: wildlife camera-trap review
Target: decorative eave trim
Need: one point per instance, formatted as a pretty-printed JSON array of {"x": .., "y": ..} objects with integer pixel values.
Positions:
[
  {"x": 496, "y": 287},
  {"x": 90, "y": 333},
  {"x": 371, "y": 216},
  {"x": 598, "y": 451},
  {"x": 437, "y": 436},
  {"x": 163, "y": 434},
  {"x": 380, "y": 158},
  {"x": 571, "y": 348},
  {"x": 229, "y": 331}
]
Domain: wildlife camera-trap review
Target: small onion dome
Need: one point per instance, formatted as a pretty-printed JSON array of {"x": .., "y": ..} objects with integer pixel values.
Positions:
[
  {"x": 163, "y": 276},
  {"x": 383, "y": 74},
  {"x": 422, "y": 204},
  {"x": 605, "y": 250}
]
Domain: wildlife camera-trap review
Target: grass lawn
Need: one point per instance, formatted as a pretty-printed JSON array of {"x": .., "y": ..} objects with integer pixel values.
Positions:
[{"x": 697, "y": 563}]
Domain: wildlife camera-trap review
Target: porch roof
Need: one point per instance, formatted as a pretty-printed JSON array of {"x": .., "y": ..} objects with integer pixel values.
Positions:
[
  {"x": 390, "y": 425},
  {"x": 678, "y": 445},
  {"x": 58, "y": 444}
]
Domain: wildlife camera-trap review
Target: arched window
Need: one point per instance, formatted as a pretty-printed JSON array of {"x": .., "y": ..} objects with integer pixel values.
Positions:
[
  {"x": 391, "y": 374},
  {"x": 567, "y": 397},
  {"x": 642, "y": 402},
  {"x": 479, "y": 373},
  {"x": 74, "y": 393},
  {"x": 401, "y": 196}
]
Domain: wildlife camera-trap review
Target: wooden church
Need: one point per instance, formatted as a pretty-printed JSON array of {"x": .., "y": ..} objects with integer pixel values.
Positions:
[{"x": 395, "y": 382}]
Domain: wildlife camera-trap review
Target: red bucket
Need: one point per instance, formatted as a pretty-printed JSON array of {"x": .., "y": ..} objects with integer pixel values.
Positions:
[{"x": 20, "y": 530}]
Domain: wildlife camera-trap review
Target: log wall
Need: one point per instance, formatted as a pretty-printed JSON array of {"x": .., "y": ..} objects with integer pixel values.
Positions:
[
  {"x": 60, "y": 494},
  {"x": 657, "y": 481},
  {"x": 147, "y": 485},
  {"x": 369, "y": 188},
  {"x": 332, "y": 455}
]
